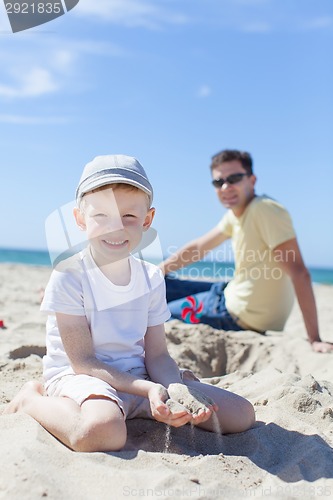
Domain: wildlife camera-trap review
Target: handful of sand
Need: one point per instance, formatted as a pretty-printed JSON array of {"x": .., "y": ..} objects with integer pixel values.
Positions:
[{"x": 182, "y": 396}]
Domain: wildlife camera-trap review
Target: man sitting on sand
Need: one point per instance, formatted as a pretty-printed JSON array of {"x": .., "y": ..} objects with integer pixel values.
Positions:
[
  {"x": 107, "y": 359},
  {"x": 268, "y": 263}
]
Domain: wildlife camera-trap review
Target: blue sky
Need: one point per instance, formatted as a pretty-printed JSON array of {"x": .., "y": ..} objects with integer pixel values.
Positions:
[{"x": 170, "y": 82}]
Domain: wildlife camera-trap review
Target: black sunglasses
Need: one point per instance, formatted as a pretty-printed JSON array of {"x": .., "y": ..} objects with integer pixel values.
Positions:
[{"x": 231, "y": 179}]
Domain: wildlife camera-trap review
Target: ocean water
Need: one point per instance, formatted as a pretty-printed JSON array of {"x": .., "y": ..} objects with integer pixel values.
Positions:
[
  {"x": 224, "y": 271},
  {"x": 205, "y": 270},
  {"x": 19, "y": 256}
]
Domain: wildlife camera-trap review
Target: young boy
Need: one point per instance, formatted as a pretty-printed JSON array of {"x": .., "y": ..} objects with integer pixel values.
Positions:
[{"x": 107, "y": 358}]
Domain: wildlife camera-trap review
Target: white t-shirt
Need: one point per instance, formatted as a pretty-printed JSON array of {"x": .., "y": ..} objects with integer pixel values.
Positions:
[{"x": 118, "y": 316}]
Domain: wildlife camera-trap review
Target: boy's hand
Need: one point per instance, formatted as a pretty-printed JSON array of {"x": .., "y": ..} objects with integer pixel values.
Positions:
[
  {"x": 200, "y": 416},
  {"x": 198, "y": 404},
  {"x": 157, "y": 396}
]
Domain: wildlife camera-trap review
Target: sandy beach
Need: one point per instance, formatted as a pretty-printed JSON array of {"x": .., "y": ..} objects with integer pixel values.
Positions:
[{"x": 288, "y": 454}]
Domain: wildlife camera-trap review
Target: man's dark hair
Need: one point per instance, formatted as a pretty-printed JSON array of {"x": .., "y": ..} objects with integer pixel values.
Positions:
[{"x": 233, "y": 154}]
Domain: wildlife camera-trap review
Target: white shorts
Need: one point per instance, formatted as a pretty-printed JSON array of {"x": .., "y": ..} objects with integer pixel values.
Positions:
[{"x": 81, "y": 387}]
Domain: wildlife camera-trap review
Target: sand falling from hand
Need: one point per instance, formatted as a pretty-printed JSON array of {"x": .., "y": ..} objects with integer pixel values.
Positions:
[
  {"x": 183, "y": 397},
  {"x": 217, "y": 429},
  {"x": 167, "y": 439}
]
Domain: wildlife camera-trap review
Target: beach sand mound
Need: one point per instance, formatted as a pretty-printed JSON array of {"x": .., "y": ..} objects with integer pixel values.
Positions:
[{"x": 288, "y": 454}]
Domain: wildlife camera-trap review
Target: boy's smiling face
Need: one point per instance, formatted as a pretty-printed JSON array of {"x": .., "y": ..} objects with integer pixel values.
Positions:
[{"x": 114, "y": 219}]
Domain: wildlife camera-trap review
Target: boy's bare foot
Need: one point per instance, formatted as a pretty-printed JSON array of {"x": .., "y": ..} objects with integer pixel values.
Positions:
[{"x": 27, "y": 393}]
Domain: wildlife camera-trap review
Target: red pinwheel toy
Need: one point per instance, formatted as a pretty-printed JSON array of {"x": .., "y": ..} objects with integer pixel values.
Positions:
[{"x": 191, "y": 310}]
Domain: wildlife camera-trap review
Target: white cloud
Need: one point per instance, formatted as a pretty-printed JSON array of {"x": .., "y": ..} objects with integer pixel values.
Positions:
[
  {"x": 319, "y": 23},
  {"x": 36, "y": 81},
  {"x": 130, "y": 13},
  {"x": 204, "y": 91},
  {"x": 32, "y": 120},
  {"x": 62, "y": 60},
  {"x": 31, "y": 69}
]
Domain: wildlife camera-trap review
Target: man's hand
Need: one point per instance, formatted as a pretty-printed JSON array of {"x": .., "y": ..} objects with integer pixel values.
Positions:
[{"x": 322, "y": 346}]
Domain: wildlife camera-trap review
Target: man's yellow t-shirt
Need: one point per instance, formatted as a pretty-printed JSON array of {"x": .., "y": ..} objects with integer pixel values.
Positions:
[{"x": 261, "y": 293}]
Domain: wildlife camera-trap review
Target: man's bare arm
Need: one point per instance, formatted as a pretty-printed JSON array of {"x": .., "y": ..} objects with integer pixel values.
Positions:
[
  {"x": 293, "y": 264},
  {"x": 193, "y": 251}
]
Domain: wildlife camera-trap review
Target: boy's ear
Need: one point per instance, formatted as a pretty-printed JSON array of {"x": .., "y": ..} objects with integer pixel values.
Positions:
[
  {"x": 79, "y": 218},
  {"x": 149, "y": 219}
]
